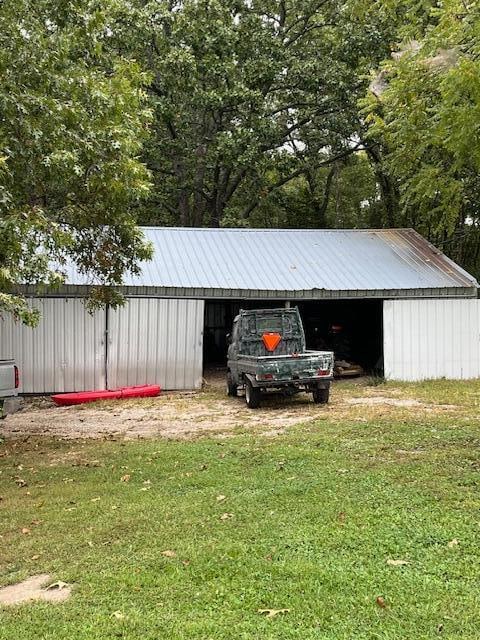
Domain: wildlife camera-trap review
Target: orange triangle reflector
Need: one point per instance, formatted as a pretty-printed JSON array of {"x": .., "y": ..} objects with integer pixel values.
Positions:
[{"x": 271, "y": 341}]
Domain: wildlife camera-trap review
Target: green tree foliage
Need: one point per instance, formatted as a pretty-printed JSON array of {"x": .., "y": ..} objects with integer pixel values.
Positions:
[
  {"x": 254, "y": 117},
  {"x": 341, "y": 195},
  {"x": 427, "y": 118},
  {"x": 249, "y": 96},
  {"x": 72, "y": 119}
]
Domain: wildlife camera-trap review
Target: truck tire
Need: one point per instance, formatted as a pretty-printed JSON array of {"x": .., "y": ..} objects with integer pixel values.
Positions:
[
  {"x": 231, "y": 386},
  {"x": 321, "y": 396},
  {"x": 252, "y": 395}
]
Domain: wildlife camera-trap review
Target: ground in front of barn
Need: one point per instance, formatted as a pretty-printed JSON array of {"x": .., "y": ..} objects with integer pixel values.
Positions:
[
  {"x": 210, "y": 411},
  {"x": 191, "y": 517}
]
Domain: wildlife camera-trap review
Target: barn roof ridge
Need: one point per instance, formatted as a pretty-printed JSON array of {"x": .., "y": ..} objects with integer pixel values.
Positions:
[{"x": 279, "y": 229}]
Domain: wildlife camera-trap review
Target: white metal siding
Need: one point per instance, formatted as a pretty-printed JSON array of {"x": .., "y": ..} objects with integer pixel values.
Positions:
[
  {"x": 154, "y": 340},
  {"x": 426, "y": 339},
  {"x": 65, "y": 352}
]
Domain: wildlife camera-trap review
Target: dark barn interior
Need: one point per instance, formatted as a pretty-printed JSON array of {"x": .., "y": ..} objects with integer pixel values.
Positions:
[{"x": 353, "y": 329}]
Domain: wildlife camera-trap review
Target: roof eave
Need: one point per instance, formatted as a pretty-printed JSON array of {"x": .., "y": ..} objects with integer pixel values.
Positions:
[{"x": 82, "y": 291}]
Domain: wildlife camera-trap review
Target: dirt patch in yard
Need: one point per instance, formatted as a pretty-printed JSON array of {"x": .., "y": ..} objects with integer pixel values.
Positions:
[
  {"x": 398, "y": 402},
  {"x": 187, "y": 415},
  {"x": 34, "y": 588},
  {"x": 170, "y": 416}
]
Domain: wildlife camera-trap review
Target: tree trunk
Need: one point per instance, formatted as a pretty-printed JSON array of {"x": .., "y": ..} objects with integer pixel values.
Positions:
[
  {"x": 388, "y": 188},
  {"x": 183, "y": 199},
  {"x": 321, "y": 204},
  {"x": 199, "y": 203}
]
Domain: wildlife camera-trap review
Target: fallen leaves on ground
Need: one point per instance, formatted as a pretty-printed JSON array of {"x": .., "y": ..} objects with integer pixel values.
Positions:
[
  {"x": 381, "y": 602},
  {"x": 221, "y": 498},
  {"x": 452, "y": 543},
  {"x": 25, "y": 531},
  {"x": 271, "y": 613},
  {"x": 168, "y": 553},
  {"x": 57, "y": 585},
  {"x": 226, "y": 516},
  {"x": 125, "y": 478},
  {"x": 396, "y": 563},
  {"x": 118, "y": 615}
]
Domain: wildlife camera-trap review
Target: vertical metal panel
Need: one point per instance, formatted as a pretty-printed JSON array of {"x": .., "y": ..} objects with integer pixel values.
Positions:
[
  {"x": 65, "y": 352},
  {"x": 157, "y": 341},
  {"x": 426, "y": 339}
]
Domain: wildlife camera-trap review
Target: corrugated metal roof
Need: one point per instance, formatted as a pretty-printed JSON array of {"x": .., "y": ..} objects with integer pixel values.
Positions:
[{"x": 238, "y": 261}]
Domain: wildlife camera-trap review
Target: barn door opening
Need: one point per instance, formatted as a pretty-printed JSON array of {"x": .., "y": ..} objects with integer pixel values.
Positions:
[
  {"x": 353, "y": 329},
  {"x": 219, "y": 316}
]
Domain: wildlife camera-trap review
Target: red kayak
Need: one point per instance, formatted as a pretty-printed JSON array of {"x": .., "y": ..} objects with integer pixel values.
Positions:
[{"x": 79, "y": 397}]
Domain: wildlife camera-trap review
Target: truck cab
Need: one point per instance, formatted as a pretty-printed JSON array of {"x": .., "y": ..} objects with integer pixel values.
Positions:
[{"x": 267, "y": 351}]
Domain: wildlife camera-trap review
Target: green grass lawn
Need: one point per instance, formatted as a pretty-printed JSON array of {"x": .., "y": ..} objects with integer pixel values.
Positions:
[{"x": 304, "y": 521}]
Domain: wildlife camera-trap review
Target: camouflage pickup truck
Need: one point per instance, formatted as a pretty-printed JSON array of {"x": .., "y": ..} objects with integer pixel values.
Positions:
[{"x": 267, "y": 351}]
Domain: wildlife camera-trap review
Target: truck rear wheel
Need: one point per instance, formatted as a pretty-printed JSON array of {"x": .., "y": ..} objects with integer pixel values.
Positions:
[
  {"x": 231, "y": 386},
  {"x": 321, "y": 396},
  {"x": 252, "y": 395}
]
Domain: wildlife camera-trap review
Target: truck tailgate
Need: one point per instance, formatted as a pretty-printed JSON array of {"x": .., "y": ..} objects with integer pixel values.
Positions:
[
  {"x": 7, "y": 378},
  {"x": 310, "y": 364}
]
